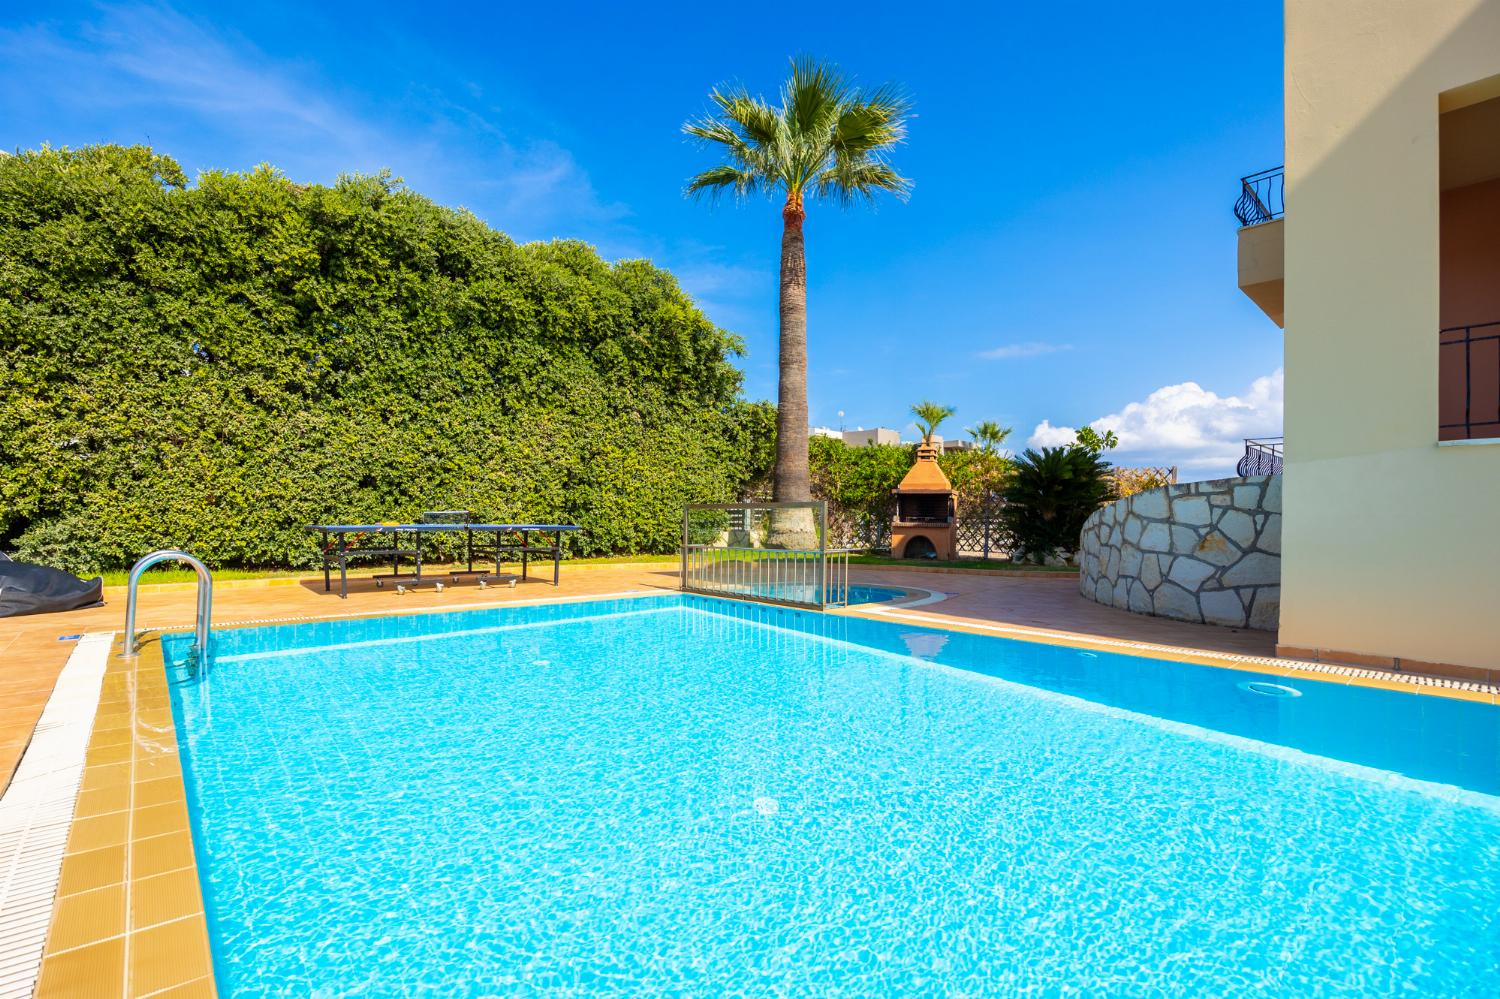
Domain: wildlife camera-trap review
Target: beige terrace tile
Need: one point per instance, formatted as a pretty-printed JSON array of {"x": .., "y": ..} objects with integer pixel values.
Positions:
[
  {"x": 87, "y": 918},
  {"x": 161, "y": 854},
  {"x": 97, "y": 970},
  {"x": 164, "y": 898},
  {"x": 168, "y": 955}
]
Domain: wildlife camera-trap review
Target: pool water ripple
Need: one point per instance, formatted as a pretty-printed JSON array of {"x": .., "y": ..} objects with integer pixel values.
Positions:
[{"x": 582, "y": 808}]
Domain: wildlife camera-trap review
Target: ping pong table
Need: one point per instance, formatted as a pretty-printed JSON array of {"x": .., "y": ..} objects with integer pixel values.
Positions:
[{"x": 404, "y": 541}]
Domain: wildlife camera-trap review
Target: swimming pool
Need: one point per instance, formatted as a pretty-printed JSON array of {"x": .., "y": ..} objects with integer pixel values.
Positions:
[{"x": 691, "y": 795}]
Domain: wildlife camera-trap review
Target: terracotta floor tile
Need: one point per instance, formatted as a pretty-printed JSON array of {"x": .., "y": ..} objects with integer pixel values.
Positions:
[
  {"x": 164, "y": 898},
  {"x": 106, "y": 776},
  {"x": 203, "y": 988},
  {"x": 99, "y": 831},
  {"x": 168, "y": 955},
  {"x": 159, "y": 820},
  {"x": 160, "y": 854},
  {"x": 160, "y": 791},
  {"x": 95, "y": 869},
  {"x": 93, "y": 972},
  {"x": 87, "y": 918},
  {"x": 101, "y": 801},
  {"x": 162, "y": 765},
  {"x": 101, "y": 756}
]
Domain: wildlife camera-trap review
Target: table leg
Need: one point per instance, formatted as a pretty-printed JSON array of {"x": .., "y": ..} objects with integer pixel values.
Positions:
[
  {"x": 343, "y": 567},
  {"x": 556, "y": 555},
  {"x": 327, "y": 574},
  {"x": 525, "y": 552}
]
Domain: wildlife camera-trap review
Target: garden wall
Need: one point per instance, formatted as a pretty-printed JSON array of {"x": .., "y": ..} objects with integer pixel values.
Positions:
[{"x": 1201, "y": 551}]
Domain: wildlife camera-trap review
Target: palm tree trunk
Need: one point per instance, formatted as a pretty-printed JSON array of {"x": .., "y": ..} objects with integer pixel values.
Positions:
[{"x": 792, "y": 479}]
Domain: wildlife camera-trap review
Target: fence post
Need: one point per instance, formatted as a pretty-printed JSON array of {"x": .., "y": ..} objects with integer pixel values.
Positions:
[
  {"x": 686, "y": 513},
  {"x": 986, "y": 515}
]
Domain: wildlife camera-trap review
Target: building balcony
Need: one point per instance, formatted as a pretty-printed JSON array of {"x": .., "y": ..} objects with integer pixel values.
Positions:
[
  {"x": 1469, "y": 383},
  {"x": 1263, "y": 456},
  {"x": 1260, "y": 209}
]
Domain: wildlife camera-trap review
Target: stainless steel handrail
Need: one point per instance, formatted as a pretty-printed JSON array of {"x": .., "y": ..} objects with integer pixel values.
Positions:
[{"x": 205, "y": 601}]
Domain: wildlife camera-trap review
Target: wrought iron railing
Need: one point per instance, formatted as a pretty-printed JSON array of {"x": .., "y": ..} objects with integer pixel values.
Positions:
[
  {"x": 1262, "y": 197},
  {"x": 866, "y": 527},
  {"x": 978, "y": 531},
  {"x": 768, "y": 552},
  {"x": 1263, "y": 456},
  {"x": 1469, "y": 382}
]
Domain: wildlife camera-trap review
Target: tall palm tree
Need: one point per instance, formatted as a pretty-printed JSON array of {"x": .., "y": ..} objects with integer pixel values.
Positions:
[
  {"x": 826, "y": 139},
  {"x": 929, "y": 417},
  {"x": 988, "y": 435}
]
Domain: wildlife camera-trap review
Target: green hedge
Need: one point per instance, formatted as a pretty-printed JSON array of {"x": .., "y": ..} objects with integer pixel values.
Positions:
[{"x": 215, "y": 365}]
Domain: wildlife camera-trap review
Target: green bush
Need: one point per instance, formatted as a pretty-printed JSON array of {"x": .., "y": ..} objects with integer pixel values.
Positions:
[
  {"x": 1050, "y": 494},
  {"x": 214, "y": 366}
]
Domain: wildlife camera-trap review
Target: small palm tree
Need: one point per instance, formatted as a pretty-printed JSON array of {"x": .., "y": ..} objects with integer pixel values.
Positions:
[
  {"x": 988, "y": 435},
  {"x": 929, "y": 417},
  {"x": 826, "y": 139}
]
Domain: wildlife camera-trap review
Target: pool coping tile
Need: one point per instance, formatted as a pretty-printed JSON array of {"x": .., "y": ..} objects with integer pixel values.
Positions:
[{"x": 132, "y": 809}]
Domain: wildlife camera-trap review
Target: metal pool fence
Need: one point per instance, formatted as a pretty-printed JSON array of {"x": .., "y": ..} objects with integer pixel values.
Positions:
[{"x": 769, "y": 552}]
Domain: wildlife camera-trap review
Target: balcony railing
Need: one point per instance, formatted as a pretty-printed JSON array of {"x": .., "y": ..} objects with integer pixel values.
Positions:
[
  {"x": 1262, "y": 197},
  {"x": 1469, "y": 382},
  {"x": 1262, "y": 456}
]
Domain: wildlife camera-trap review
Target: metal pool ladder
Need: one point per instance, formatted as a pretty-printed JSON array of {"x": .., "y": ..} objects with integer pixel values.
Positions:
[{"x": 205, "y": 602}]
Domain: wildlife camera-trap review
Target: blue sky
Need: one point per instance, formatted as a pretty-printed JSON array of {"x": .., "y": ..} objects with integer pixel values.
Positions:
[{"x": 1068, "y": 253}]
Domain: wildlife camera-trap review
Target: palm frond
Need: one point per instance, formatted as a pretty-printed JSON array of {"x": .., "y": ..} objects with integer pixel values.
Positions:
[
  {"x": 717, "y": 180},
  {"x": 814, "y": 96},
  {"x": 825, "y": 138},
  {"x": 758, "y": 121},
  {"x": 872, "y": 123},
  {"x": 848, "y": 182}
]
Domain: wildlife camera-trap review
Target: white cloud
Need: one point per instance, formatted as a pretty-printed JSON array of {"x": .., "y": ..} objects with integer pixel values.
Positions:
[
  {"x": 1032, "y": 348},
  {"x": 1185, "y": 425}
]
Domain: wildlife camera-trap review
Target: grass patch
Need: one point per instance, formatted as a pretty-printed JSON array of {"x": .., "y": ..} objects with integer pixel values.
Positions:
[
  {"x": 968, "y": 563},
  {"x": 183, "y": 574}
]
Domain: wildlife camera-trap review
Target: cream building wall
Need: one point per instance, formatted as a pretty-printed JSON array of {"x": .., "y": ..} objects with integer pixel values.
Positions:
[{"x": 1391, "y": 543}]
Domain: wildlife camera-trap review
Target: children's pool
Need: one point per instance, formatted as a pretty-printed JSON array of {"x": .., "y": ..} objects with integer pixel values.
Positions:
[{"x": 684, "y": 795}]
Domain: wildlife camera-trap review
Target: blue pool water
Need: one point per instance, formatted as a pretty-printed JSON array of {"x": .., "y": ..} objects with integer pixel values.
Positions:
[
  {"x": 855, "y": 593},
  {"x": 806, "y": 593},
  {"x": 681, "y": 795}
]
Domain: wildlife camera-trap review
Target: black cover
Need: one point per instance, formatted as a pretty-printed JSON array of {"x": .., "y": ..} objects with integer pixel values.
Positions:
[{"x": 36, "y": 589}]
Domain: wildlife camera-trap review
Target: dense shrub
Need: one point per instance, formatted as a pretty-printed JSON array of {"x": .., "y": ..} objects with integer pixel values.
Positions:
[
  {"x": 216, "y": 365},
  {"x": 1050, "y": 494}
]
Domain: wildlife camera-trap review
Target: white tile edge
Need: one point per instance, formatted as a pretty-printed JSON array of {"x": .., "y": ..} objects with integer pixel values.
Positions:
[
  {"x": 396, "y": 612},
  {"x": 36, "y": 812}
]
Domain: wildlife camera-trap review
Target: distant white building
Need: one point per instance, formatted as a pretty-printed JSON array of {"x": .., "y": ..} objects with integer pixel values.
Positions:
[
  {"x": 825, "y": 432},
  {"x": 875, "y": 435}
]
